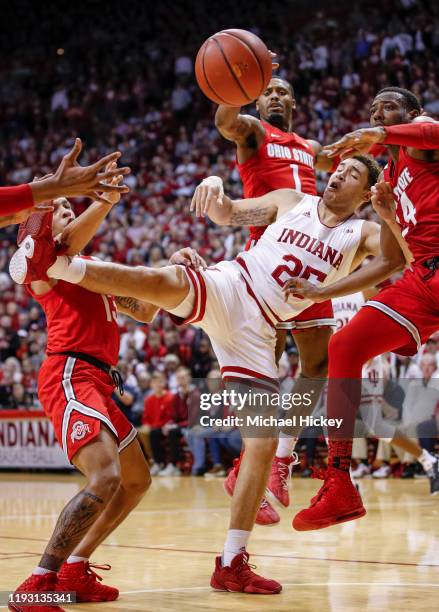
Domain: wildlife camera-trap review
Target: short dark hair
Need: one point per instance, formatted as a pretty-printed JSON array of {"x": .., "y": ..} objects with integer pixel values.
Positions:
[
  {"x": 287, "y": 83},
  {"x": 410, "y": 100},
  {"x": 373, "y": 168}
]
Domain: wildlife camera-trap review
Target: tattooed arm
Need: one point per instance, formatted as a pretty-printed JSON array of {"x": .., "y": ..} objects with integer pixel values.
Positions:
[
  {"x": 136, "y": 309},
  {"x": 209, "y": 199}
]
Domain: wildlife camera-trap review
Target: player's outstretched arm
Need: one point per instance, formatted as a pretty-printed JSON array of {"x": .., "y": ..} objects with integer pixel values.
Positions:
[
  {"x": 422, "y": 135},
  {"x": 388, "y": 259},
  {"x": 209, "y": 199},
  {"x": 80, "y": 231},
  {"x": 72, "y": 180}
]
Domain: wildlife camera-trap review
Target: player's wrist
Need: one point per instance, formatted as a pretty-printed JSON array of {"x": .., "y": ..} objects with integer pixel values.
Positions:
[
  {"x": 380, "y": 134},
  {"x": 44, "y": 189}
]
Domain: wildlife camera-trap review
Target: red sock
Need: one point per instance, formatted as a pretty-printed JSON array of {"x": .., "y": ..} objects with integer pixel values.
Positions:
[{"x": 370, "y": 333}]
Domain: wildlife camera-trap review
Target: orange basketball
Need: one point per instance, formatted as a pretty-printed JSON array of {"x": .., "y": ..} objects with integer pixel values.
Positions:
[{"x": 233, "y": 67}]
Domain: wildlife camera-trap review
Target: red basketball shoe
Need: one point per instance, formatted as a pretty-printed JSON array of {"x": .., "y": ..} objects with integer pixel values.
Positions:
[
  {"x": 81, "y": 578},
  {"x": 44, "y": 583},
  {"x": 337, "y": 501},
  {"x": 280, "y": 477},
  {"x": 230, "y": 480},
  {"x": 36, "y": 252},
  {"x": 239, "y": 578},
  {"x": 266, "y": 515}
]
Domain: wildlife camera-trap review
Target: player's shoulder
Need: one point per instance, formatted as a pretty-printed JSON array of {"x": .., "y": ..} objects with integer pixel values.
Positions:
[
  {"x": 370, "y": 227},
  {"x": 370, "y": 231},
  {"x": 287, "y": 195}
]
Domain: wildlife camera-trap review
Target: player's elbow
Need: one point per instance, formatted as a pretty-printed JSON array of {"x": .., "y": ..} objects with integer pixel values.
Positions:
[{"x": 221, "y": 119}]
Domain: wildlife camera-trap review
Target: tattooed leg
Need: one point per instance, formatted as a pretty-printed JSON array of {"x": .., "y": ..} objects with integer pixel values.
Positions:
[
  {"x": 73, "y": 523},
  {"x": 135, "y": 482},
  {"x": 99, "y": 462}
]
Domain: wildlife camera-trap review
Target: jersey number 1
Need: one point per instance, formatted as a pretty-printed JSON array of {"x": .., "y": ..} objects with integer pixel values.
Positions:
[{"x": 296, "y": 177}]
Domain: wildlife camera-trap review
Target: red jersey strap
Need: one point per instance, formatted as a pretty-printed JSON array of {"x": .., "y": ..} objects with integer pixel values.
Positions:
[
  {"x": 15, "y": 199},
  {"x": 417, "y": 135}
]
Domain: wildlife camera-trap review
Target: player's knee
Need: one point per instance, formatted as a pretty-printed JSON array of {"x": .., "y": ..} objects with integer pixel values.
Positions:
[
  {"x": 137, "y": 486},
  {"x": 315, "y": 367},
  {"x": 105, "y": 482}
]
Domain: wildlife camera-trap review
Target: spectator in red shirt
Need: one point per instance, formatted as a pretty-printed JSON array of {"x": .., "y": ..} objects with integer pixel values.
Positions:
[
  {"x": 185, "y": 402},
  {"x": 156, "y": 415}
]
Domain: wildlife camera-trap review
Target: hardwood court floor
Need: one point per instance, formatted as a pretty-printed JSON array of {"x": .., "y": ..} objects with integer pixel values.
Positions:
[{"x": 163, "y": 555}]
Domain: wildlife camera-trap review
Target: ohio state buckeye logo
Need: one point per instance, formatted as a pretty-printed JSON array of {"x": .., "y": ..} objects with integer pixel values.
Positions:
[{"x": 79, "y": 430}]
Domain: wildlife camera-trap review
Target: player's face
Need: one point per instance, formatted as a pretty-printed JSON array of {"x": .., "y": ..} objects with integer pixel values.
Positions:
[
  {"x": 349, "y": 183},
  {"x": 389, "y": 109},
  {"x": 276, "y": 104},
  {"x": 62, "y": 215}
]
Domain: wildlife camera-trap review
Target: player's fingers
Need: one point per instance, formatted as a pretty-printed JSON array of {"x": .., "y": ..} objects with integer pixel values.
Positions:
[
  {"x": 110, "y": 166},
  {"x": 100, "y": 197},
  {"x": 202, "y": 200},
  {"x": 220, "y": 198},
  {"x": 107, "y": 159},
  {"x": 195, "y": 200},
  {"x": 191, "y": 206},
  {"x": 108, "y": 174},
  {"x": 105, "y": 187},
  {"x": 201, "y": 262},
  {"x": 72, "y": 156},
  {"x": 210, "y": 199}
]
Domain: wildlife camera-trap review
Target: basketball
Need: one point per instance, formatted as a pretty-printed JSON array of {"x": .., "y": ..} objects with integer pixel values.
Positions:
[{"x": 233, "y": 67}]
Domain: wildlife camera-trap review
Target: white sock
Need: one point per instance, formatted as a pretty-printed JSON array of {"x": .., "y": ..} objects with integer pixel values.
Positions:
[
  {"x": 75, "y": 559},
  {"x": 235, "y": 544},
  {"x": 70, "y": 269},
  {"x": 40, "y": 571},
  {"x": 426, "y": 460},
  {"x": 285, "y": 446}
]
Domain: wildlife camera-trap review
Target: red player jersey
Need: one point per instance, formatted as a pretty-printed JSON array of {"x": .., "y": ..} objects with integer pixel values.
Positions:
[
  {"x": 82, "y": 321},
  {"x": 415, "y": 184},
  {"x": 284, "y": 160}
]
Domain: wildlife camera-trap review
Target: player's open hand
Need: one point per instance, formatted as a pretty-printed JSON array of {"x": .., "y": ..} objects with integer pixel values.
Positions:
[
  {"x": 209, "y": 192},
  {"x": 358, "y": 142},
  {"x": 383, "y": 201},
  {"x": 73, "y": 180},
  {"x": 302, "y": 289},
  {"x": 188, "y": 257},
  {"x": 112, "y": 197}
]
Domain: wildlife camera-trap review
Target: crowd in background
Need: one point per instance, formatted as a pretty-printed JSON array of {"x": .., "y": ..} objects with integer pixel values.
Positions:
[{"x": 125, "y": 80}]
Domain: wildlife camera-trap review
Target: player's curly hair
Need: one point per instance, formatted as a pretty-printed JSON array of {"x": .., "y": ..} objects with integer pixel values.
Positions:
[
  {"x": 410, "y": 100},
  {"x": 374, "y": 169}
]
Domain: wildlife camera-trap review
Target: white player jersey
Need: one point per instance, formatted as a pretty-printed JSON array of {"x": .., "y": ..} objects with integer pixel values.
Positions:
[
  {"x": 298, "y": 244},
  {"x": 345, "y": 308}
]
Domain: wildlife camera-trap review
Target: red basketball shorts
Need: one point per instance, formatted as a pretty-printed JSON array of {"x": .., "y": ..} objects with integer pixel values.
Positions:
[
  {"x": 413, "y": 302},
  {"x": 76, "y": 397}
]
